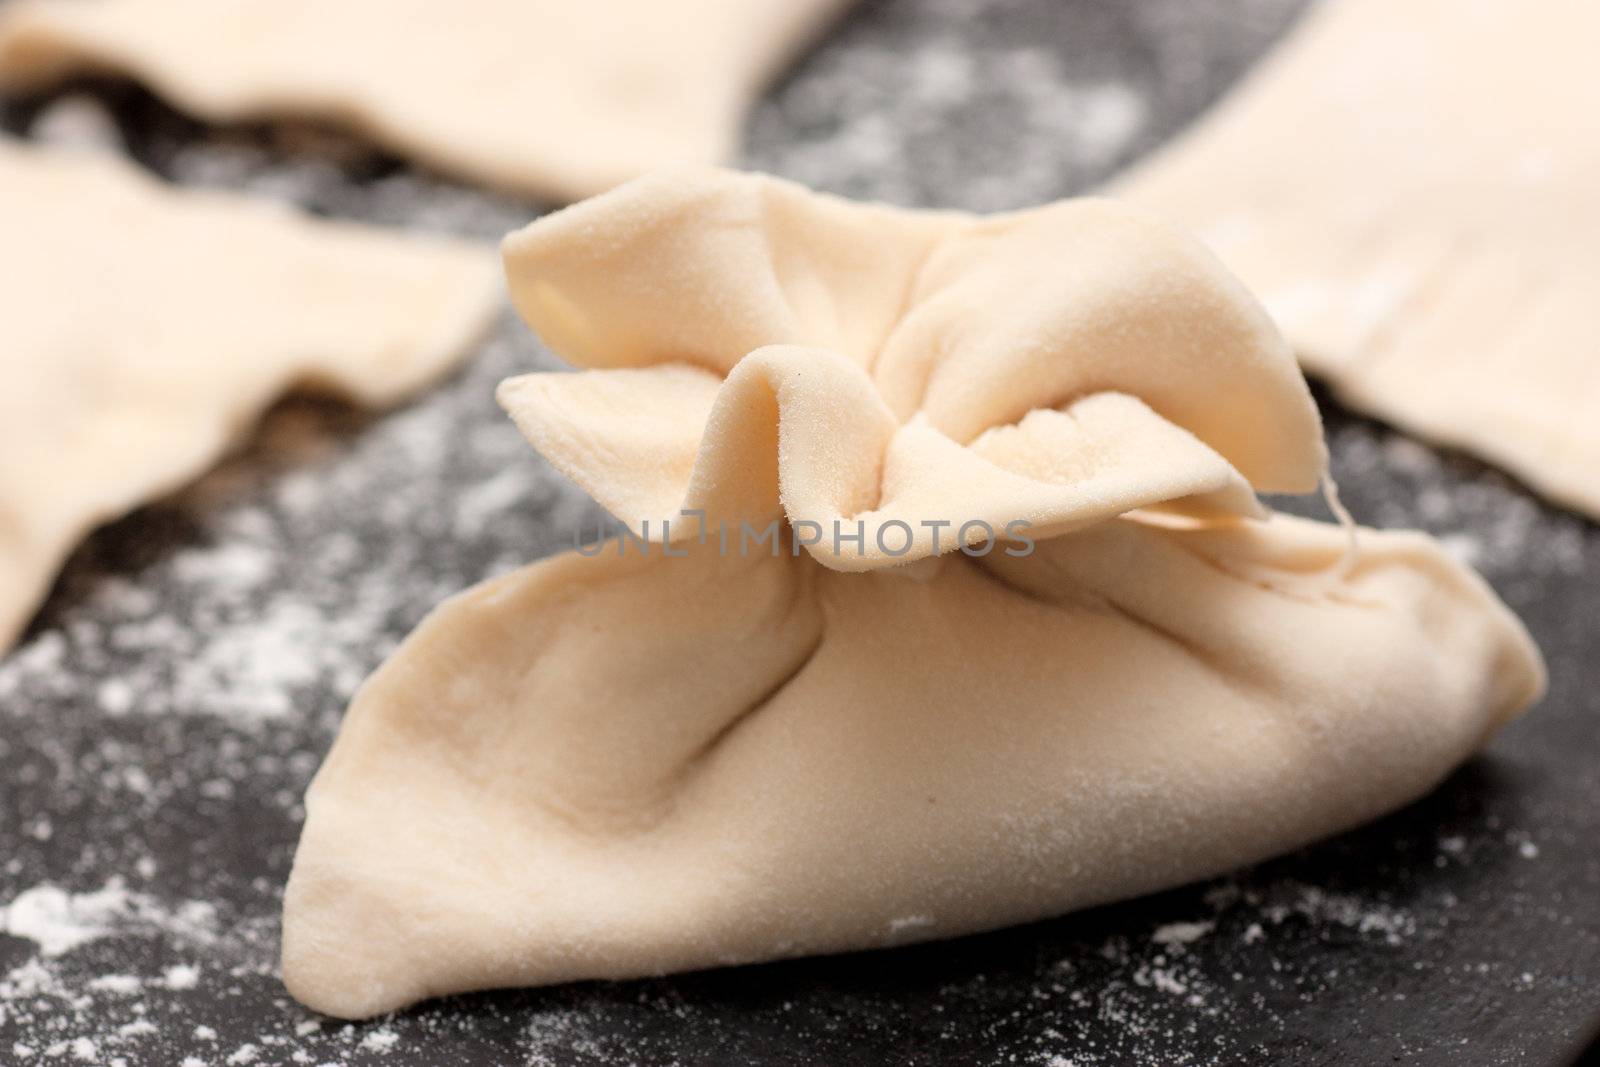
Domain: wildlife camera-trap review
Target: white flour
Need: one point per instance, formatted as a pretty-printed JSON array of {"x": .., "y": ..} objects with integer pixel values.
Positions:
[{"x": 58, "y": 921}]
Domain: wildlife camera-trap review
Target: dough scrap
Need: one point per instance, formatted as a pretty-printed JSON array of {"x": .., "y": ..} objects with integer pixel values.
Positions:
[
  {"x": 546, "y": 98},
  {"x": 143, "y": 329},
  {"x": 628, "y": 763},
  {"x": 1410, "y": 188}
]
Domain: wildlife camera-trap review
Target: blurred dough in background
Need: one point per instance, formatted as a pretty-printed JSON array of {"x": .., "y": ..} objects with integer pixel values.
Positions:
[
  {"x": 547, "y": 98},
  {"x": 143, "y": 329},
  {"x": 1411, "y": 188}
]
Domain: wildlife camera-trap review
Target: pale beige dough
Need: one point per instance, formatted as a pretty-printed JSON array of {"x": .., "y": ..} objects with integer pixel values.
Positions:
[
  {"x": 549, "y": 98},
  {"x": 624, "y": 765},
  {"x": 708, "y": 301},
  {"x": 144, "y": 328},
  {"x": 1410, "y": 188}
]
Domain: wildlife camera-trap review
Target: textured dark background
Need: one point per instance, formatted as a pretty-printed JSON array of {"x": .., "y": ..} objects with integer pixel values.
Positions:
[{"x": 160, "y": 720}]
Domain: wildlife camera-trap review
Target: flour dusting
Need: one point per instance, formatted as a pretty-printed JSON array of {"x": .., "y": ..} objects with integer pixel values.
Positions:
[
  {"x": 59, "y": 921},
  {"x": 1181, "y": 933}
]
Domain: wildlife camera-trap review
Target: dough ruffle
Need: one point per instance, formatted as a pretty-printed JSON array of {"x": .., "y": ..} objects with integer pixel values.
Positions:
[{"x": 856, "y": 367}]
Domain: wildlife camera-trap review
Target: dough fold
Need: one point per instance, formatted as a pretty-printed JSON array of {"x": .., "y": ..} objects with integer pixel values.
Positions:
[
  {"x": 1409, "y": 187},
  {"x": 628, "y": 761},
  {"x": 843, "y": 361},
  {"x": 144, "y": 329},
  {"x": 547, "y": 98}
]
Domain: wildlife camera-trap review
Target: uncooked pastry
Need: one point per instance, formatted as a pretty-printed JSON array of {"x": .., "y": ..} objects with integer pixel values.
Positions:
[
  {"x": 1410, "y": 188},
  {"x": 618, "y": 764},
  {"x": 549, "y": 98},
  {"x": 144, "y": 328}
]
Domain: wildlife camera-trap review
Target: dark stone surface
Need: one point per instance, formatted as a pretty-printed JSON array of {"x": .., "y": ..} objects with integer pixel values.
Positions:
[{"x": 160, "y": 720}]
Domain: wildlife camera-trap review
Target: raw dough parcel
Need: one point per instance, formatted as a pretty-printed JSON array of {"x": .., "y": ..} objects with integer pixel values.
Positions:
[
  {"x": 1411, "y": 188},
  {"x": 626, "y": 763},
  {"x": 552, "y": 98},
  {"x": 143, "y": 329}
]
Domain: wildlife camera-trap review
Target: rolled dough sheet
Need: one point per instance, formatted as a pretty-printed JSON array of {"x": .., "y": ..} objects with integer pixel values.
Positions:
[
  {"x": 144, "y": 328},
  {"x": 547, "y": 98},
  {"x": 1411, "y": 190}
]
